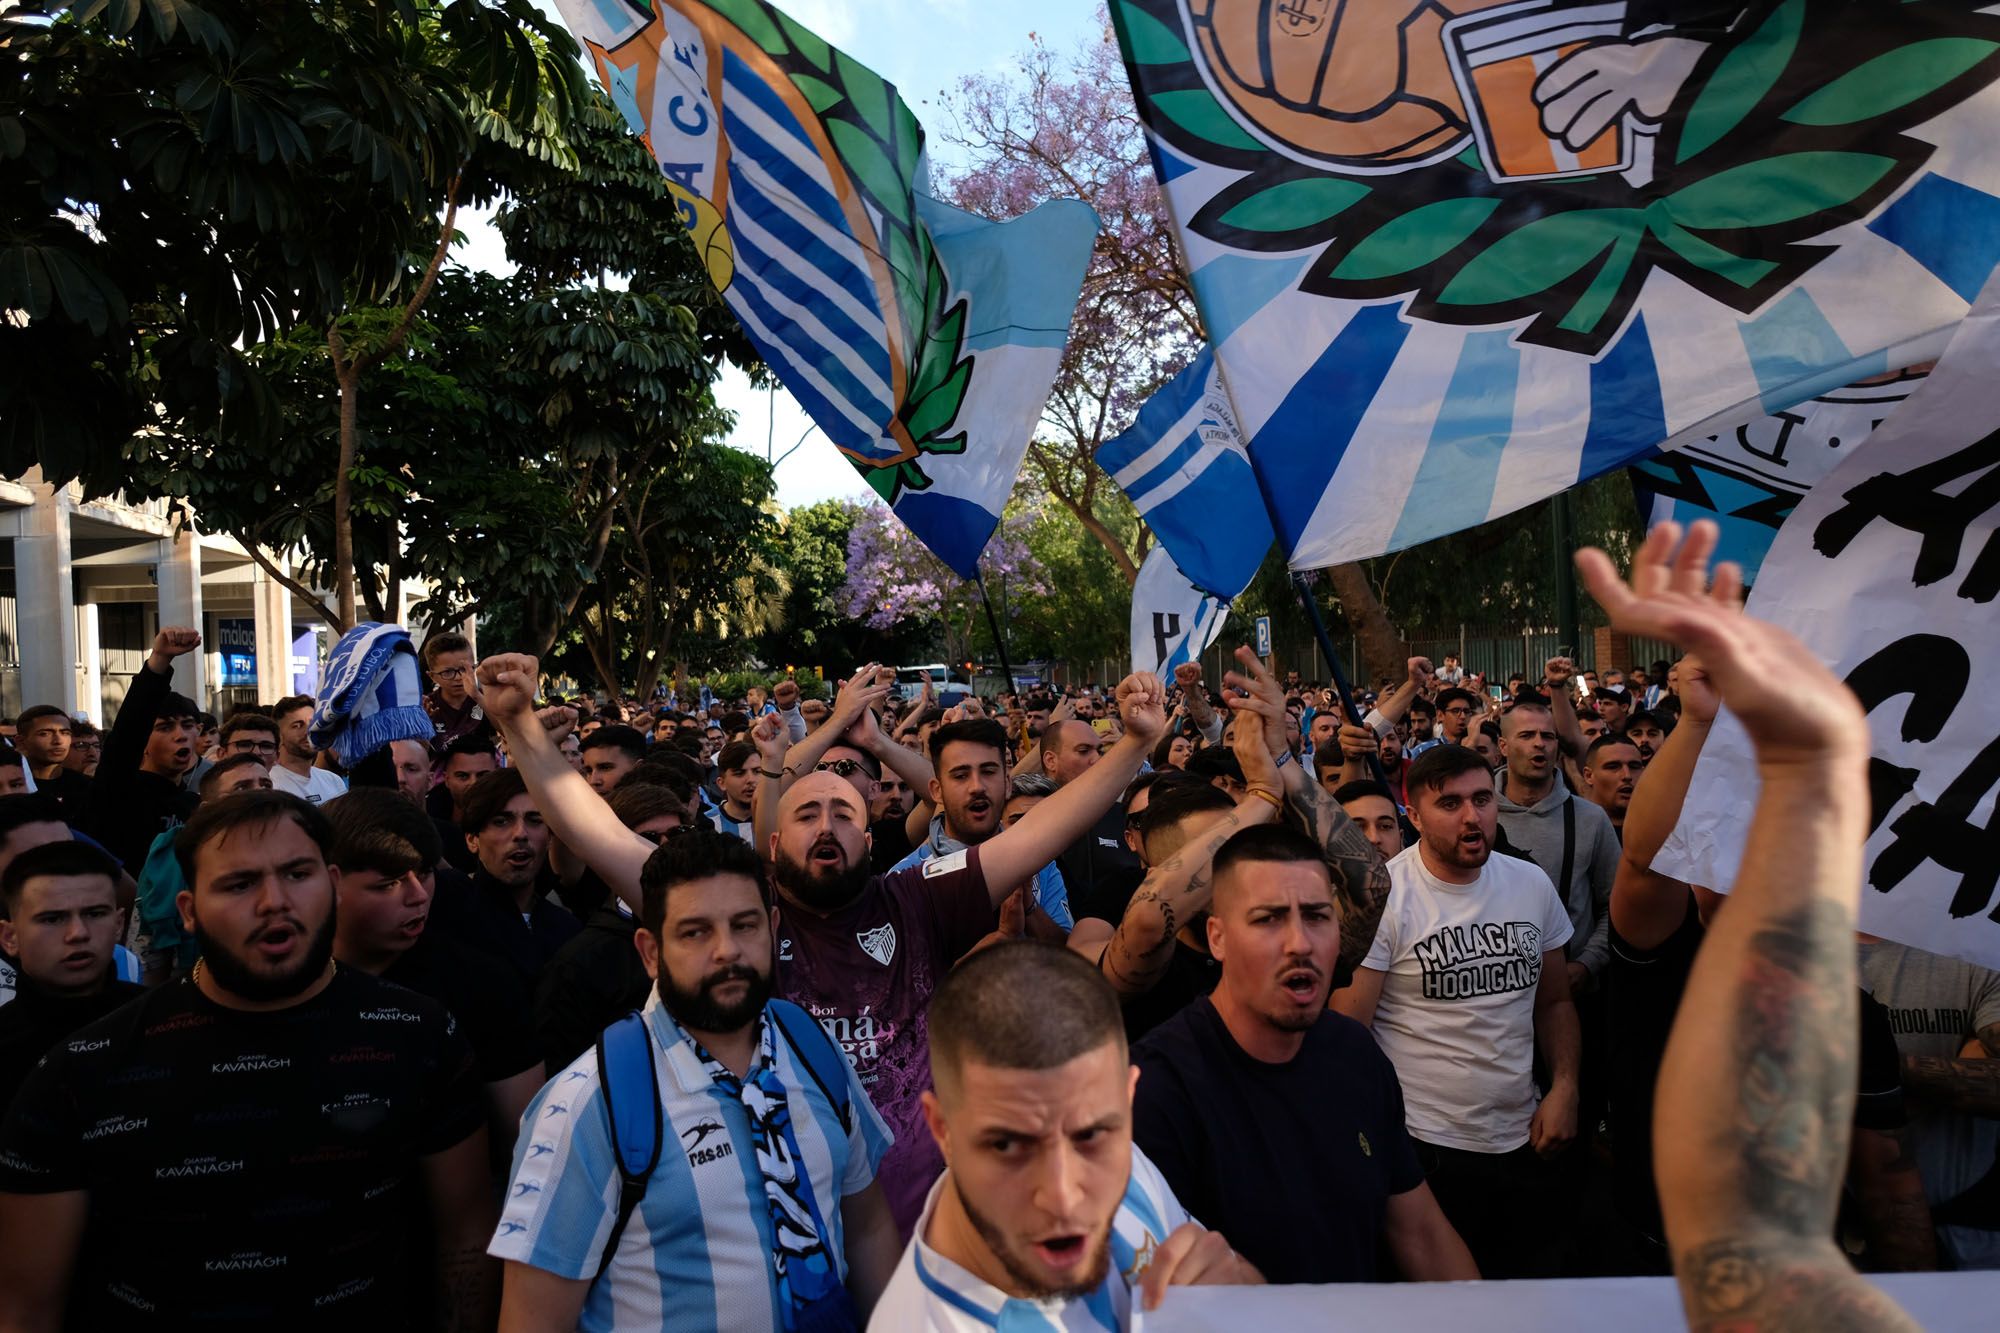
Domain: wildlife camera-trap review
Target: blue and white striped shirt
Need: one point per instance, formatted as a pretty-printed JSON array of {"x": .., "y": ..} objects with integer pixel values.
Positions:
[
  {"x": 933, "y": 1293},
  {"x": 696, "y": 1255}
]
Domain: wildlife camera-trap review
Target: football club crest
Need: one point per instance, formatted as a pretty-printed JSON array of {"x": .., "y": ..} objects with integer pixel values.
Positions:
[
  {"x": 879, "y": 943},
  {"x": 1457, "y": 255}
]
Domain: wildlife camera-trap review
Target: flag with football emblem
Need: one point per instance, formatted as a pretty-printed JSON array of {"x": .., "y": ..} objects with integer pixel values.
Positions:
[
  {"x": 1455, "y": 256},
  {"x": 921, "y": 339}
]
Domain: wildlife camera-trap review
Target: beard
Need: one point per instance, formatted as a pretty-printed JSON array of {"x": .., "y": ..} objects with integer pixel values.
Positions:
[
  {"x": 822, "y": 890},
  {"x": 1455, "y": 853},
  {"x": 699, "y": 1010},
  {"x": 1088, "y": 1278},
  {"x": 245, "y": 981}
]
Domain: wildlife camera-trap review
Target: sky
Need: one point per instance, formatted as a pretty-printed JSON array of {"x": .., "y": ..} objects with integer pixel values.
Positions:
[{"x": 924, "y": 47}]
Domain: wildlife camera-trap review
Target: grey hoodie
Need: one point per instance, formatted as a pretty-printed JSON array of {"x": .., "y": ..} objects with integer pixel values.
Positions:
[{"x": 1538, "y": 830}]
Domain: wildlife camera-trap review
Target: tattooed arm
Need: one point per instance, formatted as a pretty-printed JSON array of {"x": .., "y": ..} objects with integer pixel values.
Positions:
[
  {"x": 1180, "y": 886},
  {"x": 1967, "y": 1085},
  {"x": 1890, "y": 1205},
  {"x": 1360, "y": 877},
  {"x": 1756, "y": 1091}
]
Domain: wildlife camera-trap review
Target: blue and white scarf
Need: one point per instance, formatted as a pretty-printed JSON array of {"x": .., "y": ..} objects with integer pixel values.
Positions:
[{"x": 372, "y": 694}]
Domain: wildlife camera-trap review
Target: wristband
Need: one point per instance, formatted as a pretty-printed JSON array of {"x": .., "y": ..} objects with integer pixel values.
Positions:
[
  {"x": 1282, "y": 758},
  {"x": 1263, "y": 794},
  {"x": 1381, "y": 726},
  {"x": 769, "y": 774}
]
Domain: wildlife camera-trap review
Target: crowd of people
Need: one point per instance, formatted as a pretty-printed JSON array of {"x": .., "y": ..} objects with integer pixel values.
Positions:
[{"x": 795, "y": 1013}]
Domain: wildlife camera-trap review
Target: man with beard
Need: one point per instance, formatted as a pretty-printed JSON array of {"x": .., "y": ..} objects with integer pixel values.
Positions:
[
  {"x": 501, "y": 824},
  {"x": 1233, "y": 1084},
  {"x": 1648, "y": 732},
  {"x": 249, "y": 1147},
  {"x": 1611, "y": 769},
  {"x": 763, "y": 1210},
  {"x": 1466, "y": 980},
  {"x": 296, "y": 771},
  {"x": 386, "y": 853},
  {"x": 970, "y": 793},
  {"x": 136, "y": 794},
  {"x": 1049, "y": 1215},
  {"x": 861, "y": 952}
]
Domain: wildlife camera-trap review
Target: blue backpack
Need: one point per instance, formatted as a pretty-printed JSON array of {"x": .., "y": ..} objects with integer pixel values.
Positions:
[{"x": 632, "y": 1097}]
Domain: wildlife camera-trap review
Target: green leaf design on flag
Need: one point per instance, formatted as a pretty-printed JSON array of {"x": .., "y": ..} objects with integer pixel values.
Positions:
[
  {"x": 1415, "y": 239},
  {"x": 1778, "y": 189},
  {"x": 1290, "y": 205},
  {"x": 880, "y": 145},
  {"x": 1196, "y": 111},
  {"x": 1891, "y": 80},
  {"x": 1538, "y": 256},
  {"x": 1742, "y": 78},
  {"x": 1149, "y": 41}
]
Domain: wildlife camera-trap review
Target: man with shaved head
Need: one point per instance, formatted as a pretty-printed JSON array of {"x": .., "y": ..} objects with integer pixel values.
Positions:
[
  {"x": 1099, "y": 870},
  {"x": 1050, "y": 1216},
  {"x": 862, "y": 952}
]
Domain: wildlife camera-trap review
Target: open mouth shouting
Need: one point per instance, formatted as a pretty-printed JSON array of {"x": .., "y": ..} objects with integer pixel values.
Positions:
[
  {"x": 1063, "y": 1253},
  {"x": 826, "y": 853},
  {"x": 1301, "y": 984},
  {"x": 277, "y": 942}
]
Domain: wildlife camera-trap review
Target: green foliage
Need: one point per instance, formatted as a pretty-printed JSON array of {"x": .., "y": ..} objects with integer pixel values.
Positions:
[{"x": 181, "y": 182}]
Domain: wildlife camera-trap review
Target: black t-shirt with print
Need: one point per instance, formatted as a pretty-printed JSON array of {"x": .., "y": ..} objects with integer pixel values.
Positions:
[
  {"x": 248, "y": 1170},
  {"x": 482, "y": 993}
]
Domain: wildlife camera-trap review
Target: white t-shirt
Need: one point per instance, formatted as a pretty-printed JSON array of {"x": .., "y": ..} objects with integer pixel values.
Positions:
[
  {"x": 318, "y": 785},
  {"x": 1461, "y": 963}
]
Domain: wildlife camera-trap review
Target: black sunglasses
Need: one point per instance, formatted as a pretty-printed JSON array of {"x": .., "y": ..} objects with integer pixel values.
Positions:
[
  {"x": 846, "y": 768},
  {"x": 656, "y": 838}
]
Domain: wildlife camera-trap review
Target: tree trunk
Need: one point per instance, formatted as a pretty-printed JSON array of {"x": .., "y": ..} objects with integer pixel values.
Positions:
[
  {"x": 343, "y": 491},
  {"x": 1383, "y": 648}
]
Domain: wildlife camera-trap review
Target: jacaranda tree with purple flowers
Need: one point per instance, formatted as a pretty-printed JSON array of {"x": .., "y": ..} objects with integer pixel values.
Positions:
[{"x": 893, "y": 581}]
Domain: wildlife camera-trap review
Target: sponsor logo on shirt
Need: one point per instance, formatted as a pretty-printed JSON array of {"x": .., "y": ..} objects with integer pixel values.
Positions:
[
  {"x": 861, "y": 1037},
  {"x": 179, "y": 1022},
  {"x": 118, "y": 1291},
  {"x": 511, "y": 1228},
  {"x": 116, "y": 1124},
  {"x": 200, "y": 1166},
  {"x": 251, "y": 1064},
  {"x": 82, "y": 1047},
  {"x": 389, "y": 1016},
  {"x": 944, "y": 865},
  {"x": 880, "y": 943},
  {"x": 351, "y": 1287},
  {"x": 362, "y": 1055},
  {"x": 700, "y": 1133},
  {"x": 353, "y": 1101},
  {"x": 250, "y": 1261},
  {"x": 1483, "y": 958}
]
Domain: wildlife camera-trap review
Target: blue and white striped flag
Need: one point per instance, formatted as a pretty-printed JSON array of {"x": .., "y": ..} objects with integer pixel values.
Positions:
[
  {"x": 1173, "y": 621},
  {"x": 1456, "y": 258},
  {"x": 921, "y": 339},
  {"x": 1184, "y": 468}
]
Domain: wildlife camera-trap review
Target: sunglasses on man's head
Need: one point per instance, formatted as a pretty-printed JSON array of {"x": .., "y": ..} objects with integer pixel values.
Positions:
[
  {"x": 846, "y": 768},
  {"x": 656, "y": 837}
]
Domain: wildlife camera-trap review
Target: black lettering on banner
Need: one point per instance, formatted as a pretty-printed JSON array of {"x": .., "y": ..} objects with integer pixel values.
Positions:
[
  {"x": 1166, "y": 628},
  {"x": 1934, "y": 671},
  {"x": 1916, "y": 501},
  {"x": 1944, "y": 832}
]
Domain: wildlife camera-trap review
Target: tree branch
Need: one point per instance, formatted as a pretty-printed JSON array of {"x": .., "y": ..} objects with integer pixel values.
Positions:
[{"x": 247, "y": 540}]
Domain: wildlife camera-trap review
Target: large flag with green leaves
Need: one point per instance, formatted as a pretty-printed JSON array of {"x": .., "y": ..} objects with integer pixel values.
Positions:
[
  {"x": 1455, "y": 256},
  {"x": 923, "y": 340}
]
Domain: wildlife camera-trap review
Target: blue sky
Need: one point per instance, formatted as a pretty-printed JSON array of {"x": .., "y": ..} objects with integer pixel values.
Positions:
[{"x": 924, "y": 47}]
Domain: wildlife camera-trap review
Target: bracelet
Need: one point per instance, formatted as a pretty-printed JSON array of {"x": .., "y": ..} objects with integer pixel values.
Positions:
[
  {"x": 1282, "y": 758},
  {"x": 1268, "y": 795},
  {"x": 769, "y": 774}
]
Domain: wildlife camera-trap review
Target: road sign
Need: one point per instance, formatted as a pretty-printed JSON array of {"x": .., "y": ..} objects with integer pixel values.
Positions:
[{"x": 1263, "y": 636}]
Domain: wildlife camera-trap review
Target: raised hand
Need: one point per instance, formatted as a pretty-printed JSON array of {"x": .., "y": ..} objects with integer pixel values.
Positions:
[
  {"x": 171, "y": 642},
  {"x": 1559, "y": 672},
  {"x": 861, "y": 691},
  {"x": 1793, "y": 708},
  {"x": 1142, "y": 704},
  {"x": 506, "y": 684},
  {"x": 1698, "y": 698},
  {"x": 1420, "y": 673},
  {"x": 785, "y": 694},
  {"x": 1255, "y": 690},
  {"x": 1260, "y": 769},
  {"x": 558, "y": 720},
  {"x": 772, "y": 738},
  {"x": 1357, "y": 743}
]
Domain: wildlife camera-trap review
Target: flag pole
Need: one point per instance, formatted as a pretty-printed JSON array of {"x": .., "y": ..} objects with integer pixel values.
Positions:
[
  {"x": 999, "y": 639},
  {"x": 1346, "y": 696}
]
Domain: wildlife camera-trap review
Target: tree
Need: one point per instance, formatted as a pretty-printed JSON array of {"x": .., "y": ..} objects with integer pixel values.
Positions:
[
  {"x": 894, "y": 580},
  {"x": 186, "y": 182},
  {"x": 1066, "y": 128}
]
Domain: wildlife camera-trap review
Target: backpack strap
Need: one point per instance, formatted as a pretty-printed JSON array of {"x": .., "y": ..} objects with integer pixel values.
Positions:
[
  {"x": 632, "y": 1107},
  {"x": 826, "y": 1062}
]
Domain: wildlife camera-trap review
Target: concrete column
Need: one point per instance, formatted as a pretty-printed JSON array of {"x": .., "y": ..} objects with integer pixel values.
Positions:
[
  {"x": 45, "y": 588},
  {"x": 90, "y": 654},
  {"x": 180, "y": 604},
  {"x": 271, "y": 603}
]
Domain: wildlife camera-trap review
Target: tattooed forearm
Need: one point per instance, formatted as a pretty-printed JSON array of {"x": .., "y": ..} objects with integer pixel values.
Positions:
[
  {"x": 467, "y": 1288},
  {"x": 1890, "y": 1207},
  {"x": 1360, "y": 876},
  {"x": 1747, "y": 1285},
  {"x": 1174, "y": 891},
  {"x": 1795, "y": 1074},
  {"x": 1969, "y": 1087}
]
